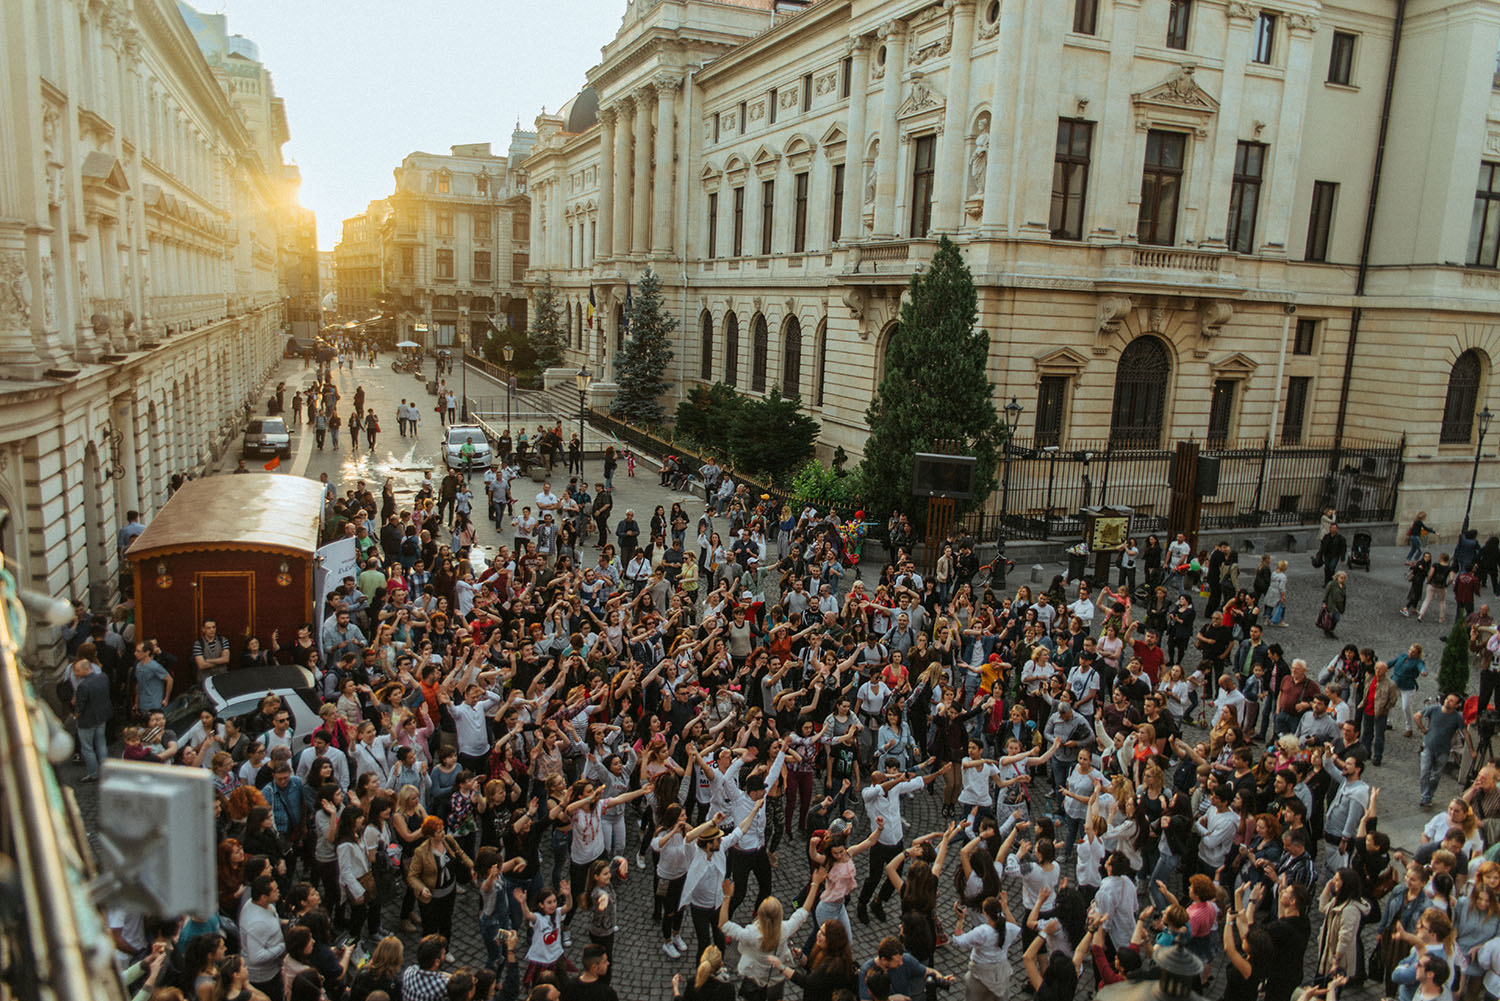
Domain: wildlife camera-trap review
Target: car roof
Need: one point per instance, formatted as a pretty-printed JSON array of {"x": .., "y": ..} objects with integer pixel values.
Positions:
[
  {"x": 473, "y": 429},
  {"x": 225, "y": 688}
]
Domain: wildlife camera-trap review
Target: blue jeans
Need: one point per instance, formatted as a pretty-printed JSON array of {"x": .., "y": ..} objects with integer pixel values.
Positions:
[
  {"x": 1414, "y": 548},
  {"x": 561, "y": 843},
  {"x": 1372, "y": 732},
  {"x": 94, "y": 748},
  {"x": 1060, "y": 770},
  {"x": 1432, "y": 771},
  {"x": 1166, "y": 865}
]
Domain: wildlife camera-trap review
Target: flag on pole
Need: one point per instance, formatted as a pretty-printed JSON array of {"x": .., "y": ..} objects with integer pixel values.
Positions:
[
  {"x": 273, "y": 465},
  {"x": 591, "y": 307},
  {"x": 625, "y": 327}
]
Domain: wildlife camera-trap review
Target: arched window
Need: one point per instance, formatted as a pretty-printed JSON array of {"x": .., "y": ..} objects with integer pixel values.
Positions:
[
  {"x": 1140, "y": 394},
  {"x": 731, "y": 349},
  {"x": 791, "y": 357},
  {"x": 758, "y": 347},
  {"x": 1463, "y": 397},
  {"x": 706, "y": 347},
  {"x": 822, "y": 374}
]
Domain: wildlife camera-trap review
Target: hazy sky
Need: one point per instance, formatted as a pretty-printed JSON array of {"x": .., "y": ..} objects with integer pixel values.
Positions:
[{"x": 367, "y": 83}]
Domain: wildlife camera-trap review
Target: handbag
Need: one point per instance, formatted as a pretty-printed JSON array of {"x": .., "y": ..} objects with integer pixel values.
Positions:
[
  {"x": 367, "y": 883},
  {"x": 1317, "y": 559},
  {"x": 1325, "y": 619}
]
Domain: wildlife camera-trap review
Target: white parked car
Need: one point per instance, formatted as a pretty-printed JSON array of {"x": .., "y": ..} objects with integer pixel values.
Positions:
[{"x": 458, "y": 434}]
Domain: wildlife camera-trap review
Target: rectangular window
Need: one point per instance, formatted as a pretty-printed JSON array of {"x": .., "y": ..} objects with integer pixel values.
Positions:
[
  {"x": 767, "y": 214},
  {"x": 408, "y": 261},
  {"x": 482, "y": 185},
  {"x": 481, "y": 265},
  {"x": 845, "y": 76},
  {"x": 921, "y": 185},
  {"x": 1220, "y": 413},
  {"x": 743, "y": 120},
  {"x": 445, "y": 224},
  {"x": 837, "y": 230},
  {"x": 1161, "y": 187},
  {"x": 520, "y": 229},
  {"x": 1085, "y": 16},
  {"x": 1341, "y": 59},
  {"x": 1070, "y": 178},
  {"x": 806, "y": 92},
  {"x": 713, "y": 225},
  {"x": 1320, "y": 220},
  {"x": 771, "y": 101},
  {"x": 1484, "y": 226},
  {"x": 482, "y": 226},
  {"x": 1177, "y": 24},
  {"x": 1244, "y": 196},
  {"x": 1264, "y": 45},
  {"x": 716, "y": 126},
  {"x": 1307, "y": 331},
  {"x": 1051, "y": 403},
  {"x": 444, "y": 184},
  {"x": 1293, "y": 421},
  {"x": 445, "y": 264},
  {"x": 799, "y": 215},
  {"x": 739, "y": 221}
]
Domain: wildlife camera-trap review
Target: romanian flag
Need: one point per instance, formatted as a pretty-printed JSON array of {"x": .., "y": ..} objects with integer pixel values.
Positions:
[
  {"x": 591, "y": 307},
  {"x": 274, "y": 464}
]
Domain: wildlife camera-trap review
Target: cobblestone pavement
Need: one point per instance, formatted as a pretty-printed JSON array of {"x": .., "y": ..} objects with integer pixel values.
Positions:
[{"x": 640, "y": 969}]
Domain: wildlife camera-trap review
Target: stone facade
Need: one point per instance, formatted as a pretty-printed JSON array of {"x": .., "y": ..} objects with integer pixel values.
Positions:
[
  {"x": 786, "y": 173},
  {"x": 453, "y": 245},
  {"x": 357, "y": 263},
  {"x": 140, "y": 284}
]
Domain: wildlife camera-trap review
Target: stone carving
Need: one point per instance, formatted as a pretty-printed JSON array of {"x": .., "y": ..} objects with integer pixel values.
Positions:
[
  {"x": 1212, "y": 315},
  {"x": 871, "y": 172},
  {"x": 1112, "y": 309},
  {"x": 49, "y": 132},
  {"x": 989, "y": 30},
  {"x": 789, "y": 97},
  {"x": 15, "y": 292},
  {"x": 101, "y": 324},
  {"x": 920, "y": 97},
  {"x": 1240, "y": 11},
  {"x": 49, "y": 294},
  {"x": 856, "y": 298},
  {"x": 825, "y": 84},
  {"x": 1156, "y": 320},
  {"x": 1302, "y": 22},
  {"x": 727, "y": 122},
  {"x": 979, "y": 158},
  {"x": 757, "y": 111}
]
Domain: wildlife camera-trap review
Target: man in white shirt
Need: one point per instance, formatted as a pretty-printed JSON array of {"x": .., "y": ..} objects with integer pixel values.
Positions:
[
  {"x": 546, "y": 500},
  {"x": 1177, "y": 554},
  {"x": 749, "y": 855},
  {"x": 320, "y": 749},
  {"x": 1217, "y": 828},
  {"x": 468, "y": 724},
  {"x": 262, "y": 942},
  {"x": 1083, "y": 607},
  {"x": 1230, "y": 697},
  {"x": 883, "y": 805},
  {"x": 1084, "y": 682}
]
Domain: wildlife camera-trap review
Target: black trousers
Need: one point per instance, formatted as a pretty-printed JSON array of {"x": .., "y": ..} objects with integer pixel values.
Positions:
[
  {"x": 1489, "y": 687},
  {"x": 706, "y": 928},
  {"x": 880, "y": 854},
  {"x": 741, "y": 865}
]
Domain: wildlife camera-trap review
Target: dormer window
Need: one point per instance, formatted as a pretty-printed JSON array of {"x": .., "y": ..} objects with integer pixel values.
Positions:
[{"x": 444, "y": 182}]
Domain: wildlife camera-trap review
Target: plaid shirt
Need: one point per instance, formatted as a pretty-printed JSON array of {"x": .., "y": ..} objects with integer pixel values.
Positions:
[{"x": 424, "y": 985}]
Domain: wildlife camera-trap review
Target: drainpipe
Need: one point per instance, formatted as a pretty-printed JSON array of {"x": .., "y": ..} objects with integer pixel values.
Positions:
[
  {"x": 1364, "y": 250},
  {"x": 1288, "y": 311}
]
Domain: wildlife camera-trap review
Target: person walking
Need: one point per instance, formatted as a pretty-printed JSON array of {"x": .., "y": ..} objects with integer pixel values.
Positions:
[
  {"x": 1438, "y": 579},
  {"x": 320, "y": 430},
  {"x": 1415, "y": 536},
  {"x": 1335, "y": 600},
  {"x": 1438, "y": 724},
  {"x": 334, "y": 423},
  {"x": 356, "y": 425},
  {"x": 91, "y": 711},
  {"x": 1331, "y": 551},
  {"x": 372, "y": 427}
]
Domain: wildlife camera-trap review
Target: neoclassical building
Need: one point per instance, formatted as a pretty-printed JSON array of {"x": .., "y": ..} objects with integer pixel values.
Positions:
[
  {"x": 453, "y": 241},
  {"x": 1169, "y": 207},
  {"x": 141, "y": 297},
  {"x": 357, "y": 265}
]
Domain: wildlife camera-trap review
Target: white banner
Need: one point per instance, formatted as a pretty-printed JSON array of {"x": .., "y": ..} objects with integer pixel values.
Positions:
[{"x": 334, "y": 561}]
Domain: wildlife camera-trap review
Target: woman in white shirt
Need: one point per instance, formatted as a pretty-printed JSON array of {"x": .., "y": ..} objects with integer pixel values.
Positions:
[
  {"x": 672, "y": 857},
  {"x": 356, "y": 879},
  {"x": 1175, "y": 686},
  {"x": 988, "y": 944},
  {"x": 768, "y": 939}
]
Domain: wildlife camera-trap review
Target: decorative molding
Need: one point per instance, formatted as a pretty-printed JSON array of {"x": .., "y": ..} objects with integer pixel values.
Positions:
[
  {"x": 1212, "y": 315},
  {"x": 1178, "y": 100},
  {"x": 921, "y": 97},
  {"x": 788, "y": 97},
  {"x": 1302, "y": 22},
  {"x": 1492, "y": 143},
  {"x": 1111, "y": 310},
  {"x": 857, "y": 300},
  {"x": 825, "y": 84},
  {"x": 1240, "y": 11},
  {"x": 15, "y": 292},
  {"x": 1063, "y": 361},
  {"x": 929, "y": 39},
  {"x": 1234, "y": 366},
  {"x": 757, "y": 111}
]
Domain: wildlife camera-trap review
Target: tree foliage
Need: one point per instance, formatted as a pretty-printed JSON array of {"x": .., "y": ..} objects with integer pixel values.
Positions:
[
  {"x": 644, "y": 363},
  {"x": 547, "y": 337},
  {"x": 772, "y": 435},
  {"x": 1453, "y": 674},
  {"x": 935, "y": 386},
  {"x": 705, "y": 417},
  {"x": 822, "y": 487}
]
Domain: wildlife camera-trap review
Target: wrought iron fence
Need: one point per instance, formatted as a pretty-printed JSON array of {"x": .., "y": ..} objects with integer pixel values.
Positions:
[{"x": 1260, "y": 485}]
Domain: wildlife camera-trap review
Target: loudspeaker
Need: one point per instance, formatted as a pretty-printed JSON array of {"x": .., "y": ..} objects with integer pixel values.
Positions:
[{"x": 1208, "y": 476}]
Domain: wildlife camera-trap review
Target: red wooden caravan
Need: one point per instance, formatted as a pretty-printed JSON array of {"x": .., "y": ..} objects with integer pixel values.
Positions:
[{"x": 237, "y": 549}]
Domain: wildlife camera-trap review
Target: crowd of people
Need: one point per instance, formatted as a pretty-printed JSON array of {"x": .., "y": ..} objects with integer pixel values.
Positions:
[{"x": 1100, "y": 773}]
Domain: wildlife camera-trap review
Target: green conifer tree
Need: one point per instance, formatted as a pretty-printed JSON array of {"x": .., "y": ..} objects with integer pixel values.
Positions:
[
  {"x": 644, "y": 364},
  {"x": 1453, "y": 672},
  {"x": 546, "y": 335}
]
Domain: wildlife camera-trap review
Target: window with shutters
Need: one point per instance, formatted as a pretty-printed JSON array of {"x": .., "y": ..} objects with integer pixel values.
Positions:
[
  {"x": 799, "y": 213},
  {"x": 444, "y": 264},
  {"x": 481, "y": 265},
  {"x": 1221, "y": 413}
]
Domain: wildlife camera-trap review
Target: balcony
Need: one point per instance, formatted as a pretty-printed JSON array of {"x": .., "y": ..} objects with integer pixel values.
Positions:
[
  {"x": 1175, "y": 260},
  {"x": 1168, "y": 266},
  {"x": 899, "y": 259}
]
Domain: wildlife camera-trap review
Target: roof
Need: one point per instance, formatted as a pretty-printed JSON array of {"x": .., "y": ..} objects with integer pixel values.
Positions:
[
  {"x": 233, "y": 685},
  {"x": 582, "y": 112},
  {"x": 256, "y": 513}
]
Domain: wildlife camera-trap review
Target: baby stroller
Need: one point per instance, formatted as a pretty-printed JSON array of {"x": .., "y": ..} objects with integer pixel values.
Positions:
[{"x": 1359, "y": 552}]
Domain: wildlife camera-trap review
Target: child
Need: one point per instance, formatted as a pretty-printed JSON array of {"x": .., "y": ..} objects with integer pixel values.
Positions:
[
  {"x": 134, "y": 749},
  {"x": 1091, "y": 854},
  {"x": 600, "y": 904},
  {"x": 629, "y": 471},
  {"x": 546, "y": 951}
]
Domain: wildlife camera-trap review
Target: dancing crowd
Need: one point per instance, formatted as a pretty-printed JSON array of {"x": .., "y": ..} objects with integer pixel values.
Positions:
[{"x": 1023, "y": 791}]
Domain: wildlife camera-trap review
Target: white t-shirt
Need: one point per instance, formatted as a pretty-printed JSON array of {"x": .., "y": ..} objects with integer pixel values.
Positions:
[
  {"x": 588, "y": 832},
  {"x": 546, "y": 938},
  {"x": 976, "y": 781}
]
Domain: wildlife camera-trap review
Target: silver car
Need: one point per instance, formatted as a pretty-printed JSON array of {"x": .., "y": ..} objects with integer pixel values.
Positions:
[
  {"x": 266, "y": 436},
  {"x": 457, "y": 435}
]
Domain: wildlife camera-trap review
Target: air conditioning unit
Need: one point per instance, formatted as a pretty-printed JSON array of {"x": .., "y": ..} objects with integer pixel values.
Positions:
[{"x": 1375, "y": 465}]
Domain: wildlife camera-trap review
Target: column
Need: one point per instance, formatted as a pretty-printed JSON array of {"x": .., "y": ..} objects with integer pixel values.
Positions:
[
  {"x": 854, "y": 150},
  {"x": 603, "y": 250},
  {"x": 1288, "y": 138},
  {"x": 1227, "y": 125},
  {"x": 1037, "y": 116},
  {"x": 1005, "y": 131},
  {"x": 661, "y": 192},
  {"x": 640, "y": 225},
  {"x": 949, "y": 181},
  {"x": 1113, "y": 210},
  {"x": 893, "y": 36},
  {"x": 622, "y": 180}
]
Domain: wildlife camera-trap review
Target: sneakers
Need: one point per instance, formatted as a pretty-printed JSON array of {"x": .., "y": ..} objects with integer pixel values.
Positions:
[
  {"x": 567, "y": 940},
  {"x": 678, "y": 943},
  {"x": 640, "y": 861},
  {"x": 671, "y": 950},
  {"x": 1406, "y": 613}
]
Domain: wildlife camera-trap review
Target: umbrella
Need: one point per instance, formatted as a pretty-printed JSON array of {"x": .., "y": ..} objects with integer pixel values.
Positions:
[{"x": 408, "y": 344}]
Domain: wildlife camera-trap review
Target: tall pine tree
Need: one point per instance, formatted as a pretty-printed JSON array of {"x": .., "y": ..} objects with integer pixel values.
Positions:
[
  {"x": 642, "y": 369},
  {"x": 546, "y": 334},
  {"x": 935, "y": 386}
]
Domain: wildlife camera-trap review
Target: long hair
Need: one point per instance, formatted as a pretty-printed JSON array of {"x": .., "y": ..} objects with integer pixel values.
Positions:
[
  {"x": 386, "y": 960},
  {"x": 768, "y": 918},
  {"x": 982, "y": 864},
  {"x": 919, "y": 893},
  {"x": 709, "y": 964},
  {"x": 834, "y": 955}
]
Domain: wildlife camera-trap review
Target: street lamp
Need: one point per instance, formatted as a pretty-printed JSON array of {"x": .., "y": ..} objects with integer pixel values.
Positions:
[
  {"x": 463, "y": 360},
  {"x": 1484, "y": 425},
  {"x": 510, "y": 384},
  {"x": 584, "y": 377},
  {"x": 1012, "y": 421}
]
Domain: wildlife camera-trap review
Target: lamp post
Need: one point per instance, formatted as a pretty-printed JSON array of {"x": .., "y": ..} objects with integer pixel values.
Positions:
[
  {"x": 1484, "y": 425},
  {"x": 1012, "y": 422},
  {"x": 584, "y": 377},
  {"x": 463, "y": 361},
  {"x": 510, "y": 382}
]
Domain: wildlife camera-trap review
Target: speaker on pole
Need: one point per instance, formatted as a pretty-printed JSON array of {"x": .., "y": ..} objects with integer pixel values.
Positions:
[{"x": 1208, "y": 475}]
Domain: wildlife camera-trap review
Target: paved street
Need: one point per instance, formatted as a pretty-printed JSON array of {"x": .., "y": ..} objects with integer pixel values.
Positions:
[{"x": 641, "y": 970}]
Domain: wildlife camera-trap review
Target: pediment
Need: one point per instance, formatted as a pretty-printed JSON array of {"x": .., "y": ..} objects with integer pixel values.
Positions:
[
  {"x": 736, "y": 165},
  {"x": 800, "y": 143},
  {"x": 102, "y": 168},
  {"x": 1062, "y": 361},
  {"x": 1181, "y": 92},
  {"x": 1234, "y": 366},
  {"x": 834, "y": 136},
  {"x": 765, "y": 155},
  {"x": 921, "y": 97}
]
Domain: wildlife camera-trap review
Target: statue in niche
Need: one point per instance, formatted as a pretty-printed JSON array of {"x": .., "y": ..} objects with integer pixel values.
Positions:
[
  {"x": 871, "y": 172},
  {"x": 979, "y": 158},
  {"x": 49, "y": 293}
]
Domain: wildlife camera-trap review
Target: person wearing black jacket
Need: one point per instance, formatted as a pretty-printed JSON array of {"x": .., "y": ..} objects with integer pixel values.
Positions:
[{"x": 1332, "y": 551}]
